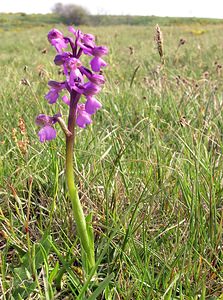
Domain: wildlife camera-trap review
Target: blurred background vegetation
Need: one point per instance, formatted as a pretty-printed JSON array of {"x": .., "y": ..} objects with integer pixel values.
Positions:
[{"x": 78, "y": 15}]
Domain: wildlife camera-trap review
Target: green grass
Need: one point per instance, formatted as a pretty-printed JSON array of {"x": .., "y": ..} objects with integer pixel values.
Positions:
[{"x": 149, "y": 168}]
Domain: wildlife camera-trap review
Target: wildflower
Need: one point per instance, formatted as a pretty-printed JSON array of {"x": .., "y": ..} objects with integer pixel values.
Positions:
[
  {"x": 47, "y": 132},
  {"x": 97, "y": 79},
  {"x": 88, "y": 40},
  {"x": 84, "y": 40},
  {"x": 61, "y": 58},
  {"x": 91, "y": 89},
  {"x": 97, "y": 62},
  {"x": 83, "y": 118},
  {"x": 72, "y": 63},
  {"x": 79, "y": 82},
  {"x": 56, "y": 39},
  {"x": 53, "y": 94},
  {"x": 92, "y": 105},
  {"x": 54, "y": 34},
  {"x": 66, "y": 99}
]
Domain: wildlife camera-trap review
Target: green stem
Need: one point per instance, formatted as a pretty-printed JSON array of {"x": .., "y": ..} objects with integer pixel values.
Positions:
[{"x": 76, "y": 204}]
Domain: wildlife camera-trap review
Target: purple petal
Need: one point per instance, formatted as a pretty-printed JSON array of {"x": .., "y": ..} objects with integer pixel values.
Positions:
[
  {"x": 97, "y": 63},
  {"x": 55, "y": 118},
  {"x": 100, "y": 51},
  {"x": 92, "y": 105},
  {"x": 73, "y": 63},
  {"x": 72, "y": 30},
  {"x": 79, "y": 88},
  {"x": 66, "y": 100},
  {"x": 86, "y": 49},
  {"x": 89, "y": 36},
  {"x": 61, "y": 58},
  {"x": 56, "y": 85},
  {"x": 42, "y": 120},
  {"x": 91, "y": 89},
  {"x": 59, "y": 44},
  {"x": 83, "y": 119},
  {"x": 88, "y": 40},
  {"x": 97, "y": 79},
  {"x": 54, "y": 34},
  {"x": 52, "y": 96},
  {"x": 47, "y": 133}
]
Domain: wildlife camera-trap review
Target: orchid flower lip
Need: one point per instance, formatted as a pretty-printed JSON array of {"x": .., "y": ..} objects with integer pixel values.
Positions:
[
  {"x": 47, "y": 132},
  {"x": 83, "y": 118},
  {"x": 52, "y": 96},
  {"x": 92, "y": 105},
  {"x": 96, "y": 64}
]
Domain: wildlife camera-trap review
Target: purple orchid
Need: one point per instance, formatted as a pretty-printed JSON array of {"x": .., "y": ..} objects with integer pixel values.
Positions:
[
  {"x": 56, "y": 39},
  {"x": 83, "y": 118},
  {"x": 54, "y": 34},
  {"x": 80, "y": 82},
  {"x": 47, "y": 132},
  {"x": 97, "y": 62},
  {"x": 92, "y": 105},
  {"x": 61, "y": 58},
  {"x": 53, "y": 94},
  {"x": 91, "y": 89}
]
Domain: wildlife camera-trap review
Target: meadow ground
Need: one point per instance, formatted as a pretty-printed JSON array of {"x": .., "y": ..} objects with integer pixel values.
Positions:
[{"x": 149, "y": 168}]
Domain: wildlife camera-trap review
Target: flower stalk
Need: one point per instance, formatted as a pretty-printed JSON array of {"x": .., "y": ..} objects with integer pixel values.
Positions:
[{"x": 73, "y": 192}]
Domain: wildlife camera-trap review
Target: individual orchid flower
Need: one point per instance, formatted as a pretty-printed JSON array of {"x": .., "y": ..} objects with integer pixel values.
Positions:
[
  {"x": 57, "y": 40},
  {"x": 91, "y": 89},
  {"x": 53, "y": 94},
  {"x": 83, "y": 118},
  {"x": 47, "y": 132},
  {"x": 54, "y": 34},
  {"x": 97, "y": 62},
  {"x": 92, "y": 105}
]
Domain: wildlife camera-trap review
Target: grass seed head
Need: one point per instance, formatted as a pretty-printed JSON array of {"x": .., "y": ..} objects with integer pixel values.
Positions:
[
  {"x": 22, "y": 145},
  {"x": 181, "y": 42},
  {"x": 25, "y": 81},
  {"x": 22, "y": 126},
  {"x": 159, "y": 42}
]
